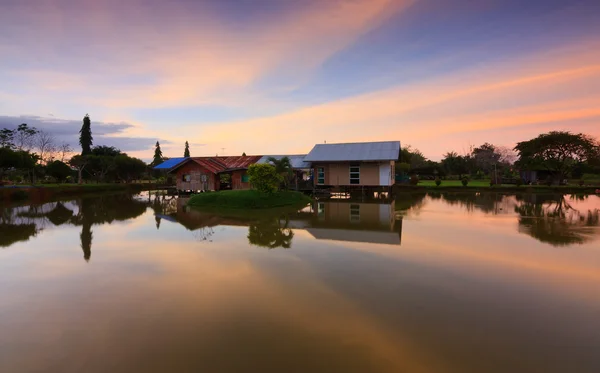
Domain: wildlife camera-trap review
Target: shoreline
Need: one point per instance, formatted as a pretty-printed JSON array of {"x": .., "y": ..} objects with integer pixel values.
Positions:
[{"x": 36, "y": 193}]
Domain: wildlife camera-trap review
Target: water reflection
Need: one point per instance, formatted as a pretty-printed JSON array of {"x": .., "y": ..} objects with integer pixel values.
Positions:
[
  {"x": 23, "y": 222},
  {"x": 272, "y": 232},
  {"x": 555, "y": 219}
]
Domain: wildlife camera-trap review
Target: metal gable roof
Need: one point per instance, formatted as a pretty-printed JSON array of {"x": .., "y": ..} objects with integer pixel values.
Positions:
[
  {"x": 168, "y": 164},
  {"x": 297, "y": 160},
  {"x": 360, "y": 151}
]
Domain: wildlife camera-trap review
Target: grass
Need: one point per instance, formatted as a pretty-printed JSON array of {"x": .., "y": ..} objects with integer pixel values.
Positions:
[{"x": 248, "y": 199}]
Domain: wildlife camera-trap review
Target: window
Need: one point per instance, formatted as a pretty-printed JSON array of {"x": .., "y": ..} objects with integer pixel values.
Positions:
[
  {"x": 321, "y": 175},
  {"x": 186, "y": 177},
  {"x": 354, "y": 174},
  {"x": 355, "y": 213},
  {"x": 245, "y": 178}
]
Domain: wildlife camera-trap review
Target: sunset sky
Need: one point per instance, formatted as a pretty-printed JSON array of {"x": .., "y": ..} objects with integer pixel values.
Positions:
[{"x": 278, "y": 76}]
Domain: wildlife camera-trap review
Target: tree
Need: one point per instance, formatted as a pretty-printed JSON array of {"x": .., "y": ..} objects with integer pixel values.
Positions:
[
  {"x": 158, "y": 156},
  {"x": 557, "y": 152},
  {"x": 24, "y": 136},
  {"x": 103, "y": 150},
  {"x": 85, "y": 136},
  {"x": 414, "y": 157},
  {"x": 455, "y": 164},
  {"x": 79, "y": 162},
  {"x": 283, "y": 167},
  {"x": 64, "y": 149},
  {"x": 45, "y": 144},
  {"x": 486, "y": 157},
  {"x": 58, "y": 170},
  {"x": 264, "y": 177},
  {"x": 186, "y": 152},
  {"x": 7, "y": 138},
  {"x": 128, "y": 168}
]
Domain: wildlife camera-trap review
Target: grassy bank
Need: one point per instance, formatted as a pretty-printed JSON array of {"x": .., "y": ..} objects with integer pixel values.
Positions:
[
  {"x": 48, "y": 191},
  {"x": 248, "y": 199}
]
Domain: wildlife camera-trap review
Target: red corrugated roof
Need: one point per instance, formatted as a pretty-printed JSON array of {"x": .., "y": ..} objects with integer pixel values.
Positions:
[{"x": 220, "y": 164}]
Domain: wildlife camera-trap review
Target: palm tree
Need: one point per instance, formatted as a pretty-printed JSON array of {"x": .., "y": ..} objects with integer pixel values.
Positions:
[{"x": 283, "y": 167}]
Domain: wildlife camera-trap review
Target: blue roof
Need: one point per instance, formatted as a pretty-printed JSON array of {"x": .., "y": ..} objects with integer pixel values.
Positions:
[{"x": 169, "y": 164}]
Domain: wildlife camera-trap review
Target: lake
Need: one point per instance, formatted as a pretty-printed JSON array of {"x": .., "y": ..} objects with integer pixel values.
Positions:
[{"x": 454, "y": 282}]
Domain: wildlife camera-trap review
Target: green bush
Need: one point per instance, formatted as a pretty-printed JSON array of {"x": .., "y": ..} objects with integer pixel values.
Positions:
[
  {"x": 465, "y": 181},
  {"x": 414, "y": 180},
  {"x": 438, "y": 182},
  {"x": 264, "y": 178}
]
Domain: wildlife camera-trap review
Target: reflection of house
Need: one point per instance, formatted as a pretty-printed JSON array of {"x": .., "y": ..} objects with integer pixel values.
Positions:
[
  {"x": 353, "y": 221},
  {"x": 341, "y": 221},
  {"x": 204, "y": 173},
  {"x": 368, "y": 164}
]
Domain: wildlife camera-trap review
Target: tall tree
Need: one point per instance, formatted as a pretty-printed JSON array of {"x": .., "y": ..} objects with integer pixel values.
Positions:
[
  {"x": 186, "y": 152},
  {"x": 455, "y": 164},
  {"x": 158, "y": 156},
  {"x": 24, "y": 136},
  {"x": 557, "y": 152},
  {"x": 85, "y": 136}
]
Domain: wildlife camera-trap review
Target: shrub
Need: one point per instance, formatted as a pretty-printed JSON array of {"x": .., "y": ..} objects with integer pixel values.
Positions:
[
  {"x": 438, "y": 182},
  {"x": 465, "y": 181},
  {"x": 264, "y": 178},
  {"x": 518, "y": 181},
  {"x": 414, "y": 180},
  {"x": 581, "y": 182}
]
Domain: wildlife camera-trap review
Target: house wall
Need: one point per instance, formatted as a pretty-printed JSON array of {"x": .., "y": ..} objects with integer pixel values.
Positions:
[
  {"x": 236, "y": 180},
  {"x": 338, "y": 174},
  {"x": 195, "y": 171}
]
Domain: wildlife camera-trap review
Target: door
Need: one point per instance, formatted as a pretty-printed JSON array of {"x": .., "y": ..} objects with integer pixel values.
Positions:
[{"x": 385, "y": 176}]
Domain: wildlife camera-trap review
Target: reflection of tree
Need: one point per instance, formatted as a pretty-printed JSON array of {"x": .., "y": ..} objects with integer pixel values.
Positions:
[
  {"x": 412, "y": 202},
  {"x": 104, "y": 209},
  {"x": 553, "y": 220},
  {"x": 486, "y": 202},
  {"x": 11, "y": 233},
  {"x": 271, "y": 233},
  {"x": 59, "y": 215}
]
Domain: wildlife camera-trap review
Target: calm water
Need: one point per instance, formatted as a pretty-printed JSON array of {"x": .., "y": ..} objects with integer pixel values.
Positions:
[{"x": 438, "y": 283}]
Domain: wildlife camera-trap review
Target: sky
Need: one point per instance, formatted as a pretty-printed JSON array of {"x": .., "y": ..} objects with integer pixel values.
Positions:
[{"x": 278, "y": 76}]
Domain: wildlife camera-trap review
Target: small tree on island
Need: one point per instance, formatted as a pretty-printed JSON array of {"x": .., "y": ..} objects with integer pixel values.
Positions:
[
  {"x": 158, "y": 156},
  {"x": 85, "y": 136},
  {"x": 264, "y": 178},
  {"x": 186, "y": 152}
]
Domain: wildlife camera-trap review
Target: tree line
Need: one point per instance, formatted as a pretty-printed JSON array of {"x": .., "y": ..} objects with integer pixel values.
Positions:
[
  {"x": 28, "y": 154},
  {"x": 560, "y": 154}
]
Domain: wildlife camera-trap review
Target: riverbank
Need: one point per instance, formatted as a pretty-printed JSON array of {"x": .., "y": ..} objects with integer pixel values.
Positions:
[
  {"x": 49, "y": 191},
  {"x": 248, "y": 199}
]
